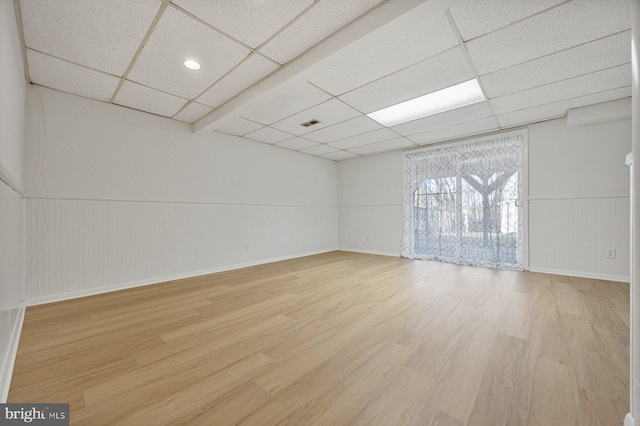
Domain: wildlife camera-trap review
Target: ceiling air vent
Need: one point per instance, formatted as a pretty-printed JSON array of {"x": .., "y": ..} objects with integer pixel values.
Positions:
[{"x": 310, "y": 123}]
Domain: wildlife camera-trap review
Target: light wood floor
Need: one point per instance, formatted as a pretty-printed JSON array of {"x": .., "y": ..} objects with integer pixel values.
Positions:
[{"x": 338, "y": 338}]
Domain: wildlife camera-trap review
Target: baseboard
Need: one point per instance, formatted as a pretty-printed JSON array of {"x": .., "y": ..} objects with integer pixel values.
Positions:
[
  {"x": 580, "y": 274},
  {"x": 6, "y": 373},
  {"x": 160, "y": 279},
  {"x": 380, "y": 253},
  {"x": 628, "y": 420}
]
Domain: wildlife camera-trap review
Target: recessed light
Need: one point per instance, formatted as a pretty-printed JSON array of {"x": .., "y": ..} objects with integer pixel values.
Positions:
[
  {"x": 192, "y": 65},
  {"x": 453, "y": 97}
]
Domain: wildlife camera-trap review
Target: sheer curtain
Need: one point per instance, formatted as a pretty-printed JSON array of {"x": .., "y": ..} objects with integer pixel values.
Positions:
[{"x": 463, "y": 203}]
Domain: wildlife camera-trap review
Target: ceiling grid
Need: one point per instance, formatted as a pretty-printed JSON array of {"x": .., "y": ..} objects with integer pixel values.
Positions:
[{"x": 333, "y": 62}]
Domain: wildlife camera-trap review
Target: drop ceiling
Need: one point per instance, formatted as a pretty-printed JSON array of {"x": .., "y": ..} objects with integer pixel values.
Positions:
[{"x": 270, "y": 65}]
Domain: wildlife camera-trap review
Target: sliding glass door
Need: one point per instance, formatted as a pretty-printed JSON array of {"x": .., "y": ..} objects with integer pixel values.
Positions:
[{"x": 463, "y": 203}]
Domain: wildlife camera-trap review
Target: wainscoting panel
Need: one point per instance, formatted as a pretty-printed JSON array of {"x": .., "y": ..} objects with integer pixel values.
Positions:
[
  {"x": 78, "y": 245},
  {"x": 570, "y": 236},
  {"x": 11, "y": 281}
]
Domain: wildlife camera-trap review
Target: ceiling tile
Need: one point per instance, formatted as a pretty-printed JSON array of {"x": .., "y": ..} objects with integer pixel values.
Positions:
[
  {"x": 340, "y": 155},
  {"x": 268, "y": 135},
  {"x": 177, "y": 38},
  {"x": 443, "y": 70},
  {"x": 330, "y": 112},
  {"x": 250, "y": 21},
  {"x": 297, "y": 143},
  {"x": 249, "y": 72},
  {"x": 453, "y": 132},
  {"x": 383, "y": 146},
  {"x": 193, "y": 112},
  {"x": 445, "y": 119},
  {"x": 52, "y": 72},
  {"x": 476, "y": 17},
  {"x": 319, "y": 150},
  {"x": 298, "y": 99},
  {"x": 559, "y": 109},
  {"x": 536, "y": 60},
  {"x": 352, "y": 127},
  {"x": 322, "y": 20},
  {"x": 103, "y": 35},
  {"x": 578, "y": 86},
  {"x": 428, "y": 38},
  {"x": 240, "y": 127},
  {"x": 146, "y": 99},
  {"x": 583, "y": 59},
  {"x": 380, "y": 135},
  {"x": 560, "y": 28}
]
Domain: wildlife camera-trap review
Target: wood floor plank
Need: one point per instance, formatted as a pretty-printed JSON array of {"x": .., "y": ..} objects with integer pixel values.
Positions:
[
  {"x": 223, "y": 338},
  {"x": 333, "y": 339},
  {"x": 347, "y": 400},
  {"x": 233, "y": 407},
  {"x": 504, "y": 393},
  {"x": 517, "y": 317},
  {"x": 180, "y": 408},
  {"x": 304, "y": 398},
  {"x": 402, "y": 401},
  {"x": 555, "y": 396},
  {"x": 457, "y": 389}
]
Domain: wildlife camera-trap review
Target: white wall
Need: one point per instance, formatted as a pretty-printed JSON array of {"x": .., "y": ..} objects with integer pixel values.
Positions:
[
  {"x": 370, "y": 203},
  {"x": 12, "y": 102},
  {"x": 578, "y": 200},
  {"x": 118, "y": 197},
  {"x": 93, "y": 150},
  {"x": 12, "y": 97}
]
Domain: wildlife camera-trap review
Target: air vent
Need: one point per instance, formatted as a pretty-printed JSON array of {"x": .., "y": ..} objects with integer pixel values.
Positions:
[{"x": 309, "y": 123}]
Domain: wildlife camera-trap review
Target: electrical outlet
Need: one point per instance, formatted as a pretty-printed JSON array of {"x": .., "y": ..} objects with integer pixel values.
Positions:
[
  {"x": 368, "y": 239},
  {"x": 247, "y": 247},
  {"x": 610, "y": 253}
]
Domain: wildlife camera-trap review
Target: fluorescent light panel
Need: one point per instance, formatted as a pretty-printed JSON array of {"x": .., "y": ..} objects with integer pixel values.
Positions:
[{"x": 453, "y": 97}]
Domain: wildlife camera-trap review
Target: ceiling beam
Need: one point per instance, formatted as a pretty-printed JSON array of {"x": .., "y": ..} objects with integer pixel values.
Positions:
[{"x": 366, "y": 32}]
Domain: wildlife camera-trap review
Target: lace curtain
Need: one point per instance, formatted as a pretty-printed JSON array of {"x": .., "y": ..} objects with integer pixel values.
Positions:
[{"x": 462, "y": 204}]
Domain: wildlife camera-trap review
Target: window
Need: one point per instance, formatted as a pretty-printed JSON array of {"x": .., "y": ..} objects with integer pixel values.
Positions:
[{"x": 463, "y": 203}]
